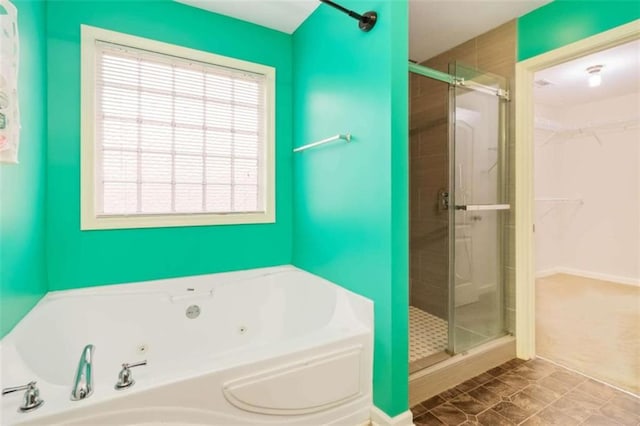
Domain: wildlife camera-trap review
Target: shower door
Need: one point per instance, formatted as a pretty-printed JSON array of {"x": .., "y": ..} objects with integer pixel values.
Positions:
[{"x": 477, "y": 207}]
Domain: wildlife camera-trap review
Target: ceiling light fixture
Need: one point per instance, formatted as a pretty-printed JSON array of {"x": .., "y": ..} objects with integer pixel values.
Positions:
[{"x": 595, "y": 75}]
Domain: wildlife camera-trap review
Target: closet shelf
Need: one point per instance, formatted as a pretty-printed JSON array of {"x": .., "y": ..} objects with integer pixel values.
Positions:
[
  {"x": 556, "y": 203},
  {"x": 554, "y": 126},
  {"x": 594, "y": 130},
  {"x": 561, "y": 200}
]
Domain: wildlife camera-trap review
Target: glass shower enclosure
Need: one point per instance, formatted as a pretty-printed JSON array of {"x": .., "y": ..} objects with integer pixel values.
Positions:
[
  {"x": 475, "y": 201},
  {"x": 477, "y": 207}
]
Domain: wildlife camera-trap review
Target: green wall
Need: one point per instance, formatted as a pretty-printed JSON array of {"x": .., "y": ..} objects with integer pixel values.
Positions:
[
  {"x": 350, "y": 200},
  {"x": 565, "y": 21},
  {"x": 88, "y": 258},
  {"x": 22, "y": 186}
]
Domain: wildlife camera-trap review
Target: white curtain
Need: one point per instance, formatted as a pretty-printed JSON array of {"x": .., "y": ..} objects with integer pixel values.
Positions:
[{"x": 9, "y": 58}]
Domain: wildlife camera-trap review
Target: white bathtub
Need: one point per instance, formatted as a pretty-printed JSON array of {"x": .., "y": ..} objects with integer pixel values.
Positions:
[{"x": 272, "y": 346}]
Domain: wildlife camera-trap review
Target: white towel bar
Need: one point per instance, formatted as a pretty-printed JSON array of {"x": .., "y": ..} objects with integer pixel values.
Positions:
[
  {"x": 479, "y": 207},
  {"x": 346, "y": 137}
]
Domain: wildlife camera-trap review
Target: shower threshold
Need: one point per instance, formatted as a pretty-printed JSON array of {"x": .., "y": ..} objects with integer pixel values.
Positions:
[{"x": 458, "y": 368}]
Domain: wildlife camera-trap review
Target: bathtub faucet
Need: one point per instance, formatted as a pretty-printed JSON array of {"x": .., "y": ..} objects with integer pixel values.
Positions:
[
  {"x": 83, "y": 383},
  {"x": 31, "y": 399}
]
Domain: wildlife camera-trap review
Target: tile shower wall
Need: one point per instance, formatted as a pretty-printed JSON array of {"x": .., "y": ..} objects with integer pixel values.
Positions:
[
  {"x": 428, "y": 175},
  {"x": 494, "y": 52}
]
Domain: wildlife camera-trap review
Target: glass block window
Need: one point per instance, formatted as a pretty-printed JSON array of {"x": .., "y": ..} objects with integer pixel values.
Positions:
[{"x": 173, "y": 135}]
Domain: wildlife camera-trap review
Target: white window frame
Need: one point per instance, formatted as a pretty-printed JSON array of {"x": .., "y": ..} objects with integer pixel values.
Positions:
[{"x": 90, "y": 219}]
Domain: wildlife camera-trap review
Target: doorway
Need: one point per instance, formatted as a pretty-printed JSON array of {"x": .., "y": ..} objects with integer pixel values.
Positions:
[
  {"x": 587, "y": 153},
  {"x": 563, "y": 163}
]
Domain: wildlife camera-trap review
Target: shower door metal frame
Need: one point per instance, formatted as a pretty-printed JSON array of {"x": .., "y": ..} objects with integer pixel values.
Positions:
[
  {"x": 504, "y": 95},
  {"x": 502, "y": 164},
  {"x": 457, "y": 81}
]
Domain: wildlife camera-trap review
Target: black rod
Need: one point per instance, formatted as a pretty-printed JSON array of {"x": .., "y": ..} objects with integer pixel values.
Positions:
[
  {"x": 365, "y": 22},
  {"x": 343, "y": 9}
]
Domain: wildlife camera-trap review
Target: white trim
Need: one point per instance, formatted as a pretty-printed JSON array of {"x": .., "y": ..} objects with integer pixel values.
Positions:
[
  {"x": 547, "y": 272},
  {"x": 380, "y": 418},
  {"x": 89, "y": 218},
  {"x": 525, "y": 260},
  {"x": 614, "y": 279}
]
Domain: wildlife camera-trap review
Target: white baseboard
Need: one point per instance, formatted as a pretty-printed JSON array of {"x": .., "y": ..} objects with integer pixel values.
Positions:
[
  {"x": 589, "y": 274},
  {"x": 547, "y": 272},
  {"x": 380, "y": 418}
]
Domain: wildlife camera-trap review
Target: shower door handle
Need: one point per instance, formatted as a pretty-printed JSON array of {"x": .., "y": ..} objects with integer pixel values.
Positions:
[{"x": 479, "y": 207}]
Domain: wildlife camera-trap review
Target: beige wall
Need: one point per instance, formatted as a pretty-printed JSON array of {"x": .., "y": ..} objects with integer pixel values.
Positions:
[
  {"x": 494, "y": 52},
  {"x": 586, "y": 236}
]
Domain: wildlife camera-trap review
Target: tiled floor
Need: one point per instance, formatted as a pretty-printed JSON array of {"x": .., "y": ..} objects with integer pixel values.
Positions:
[
  {"x": 427, "y": 334},
  {"x": 530, "y": 393}
]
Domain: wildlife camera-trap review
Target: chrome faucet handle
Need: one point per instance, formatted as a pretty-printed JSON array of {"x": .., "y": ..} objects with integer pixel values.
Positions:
[
  {"x": 31, "y": 399},
  {"x": 125, "y": 379}
]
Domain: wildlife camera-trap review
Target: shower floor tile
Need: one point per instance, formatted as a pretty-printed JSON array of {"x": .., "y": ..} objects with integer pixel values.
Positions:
[{"x": 427, "y": 334}]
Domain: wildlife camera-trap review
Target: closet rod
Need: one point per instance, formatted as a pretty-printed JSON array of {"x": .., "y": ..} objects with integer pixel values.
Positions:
[
  {"x": 553, "y": 126},
  {"x": 561, "y": 200},
  {"x": 365, "y": 22}
]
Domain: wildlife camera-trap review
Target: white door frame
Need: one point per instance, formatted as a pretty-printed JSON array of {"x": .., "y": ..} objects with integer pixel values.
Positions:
[{"x": 524, "y": 244}]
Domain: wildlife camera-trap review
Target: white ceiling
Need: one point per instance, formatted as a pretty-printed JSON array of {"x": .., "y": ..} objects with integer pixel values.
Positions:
[
  {"x": 438, "y": 25},
  {"x": 620, "y": 75},
  {"x": 281, "y": 15},
  {"x": 434, "y": 25}
]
